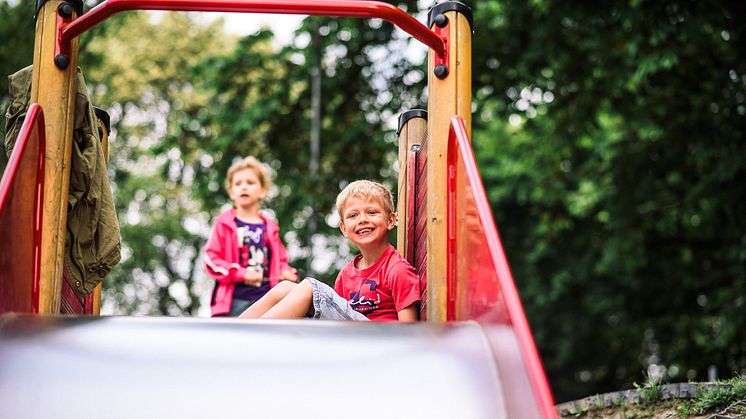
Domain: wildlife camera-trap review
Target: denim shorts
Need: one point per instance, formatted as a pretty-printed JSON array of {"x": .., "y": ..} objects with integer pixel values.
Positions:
[{"x": 328, "y": 305}]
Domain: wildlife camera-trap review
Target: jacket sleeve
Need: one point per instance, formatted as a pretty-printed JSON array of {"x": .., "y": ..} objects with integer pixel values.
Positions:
[{"x": 215, "y": 255}]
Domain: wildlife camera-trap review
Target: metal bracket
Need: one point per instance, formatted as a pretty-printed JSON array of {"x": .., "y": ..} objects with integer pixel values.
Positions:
[
  {"x": 62, "y": 51},
  {"x": 441, "y": 28}
]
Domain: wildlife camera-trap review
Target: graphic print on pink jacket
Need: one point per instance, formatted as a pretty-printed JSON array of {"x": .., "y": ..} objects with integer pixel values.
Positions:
[{"x": 221, "y": 259}]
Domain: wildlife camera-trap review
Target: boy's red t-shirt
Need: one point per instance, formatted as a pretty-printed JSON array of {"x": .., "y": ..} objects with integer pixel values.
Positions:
[{"x": 381, "y": 290}]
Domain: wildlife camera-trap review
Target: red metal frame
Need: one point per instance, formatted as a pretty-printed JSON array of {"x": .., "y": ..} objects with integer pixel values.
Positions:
[
  {"x": 459, "y": 148},
  {"x": 340, "y": 8},
  {"x": 19, "y": 163},
  {"x": 59, "y": 46},
  {"x": 444, "y": 34},
  {"x": 451, "y": 274}
]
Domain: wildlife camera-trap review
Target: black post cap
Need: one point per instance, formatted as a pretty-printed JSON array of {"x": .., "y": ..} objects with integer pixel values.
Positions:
[
  {"x": 76, "y": 4},
  {"x": 407, "y": 115},
  {"x": 449, "y": 6}
]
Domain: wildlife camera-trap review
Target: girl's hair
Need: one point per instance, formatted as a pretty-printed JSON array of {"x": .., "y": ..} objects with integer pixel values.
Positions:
[
  {"x": 250, "y": 162},
  {"x": 366, "y": 189}
]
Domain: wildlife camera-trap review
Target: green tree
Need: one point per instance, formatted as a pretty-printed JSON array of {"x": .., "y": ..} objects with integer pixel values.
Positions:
[
  {"x": 611, "y": 141},
  {"x": 264, "y": 107},
  {"x": 16, "y": 50},
  {"x": 146, "y": 88}
]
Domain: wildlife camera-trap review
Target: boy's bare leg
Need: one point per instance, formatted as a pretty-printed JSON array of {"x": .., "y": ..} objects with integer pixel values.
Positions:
[
  {"x": 296, "y": 305},
  {"x": 277, "y": 293}
]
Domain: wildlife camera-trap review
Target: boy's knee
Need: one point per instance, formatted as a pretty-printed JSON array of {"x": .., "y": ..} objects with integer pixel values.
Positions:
[
  {"x": 285, "y": 285},
  {"x": 305, "y": 284},
  {"x": 282, "y": 289}
]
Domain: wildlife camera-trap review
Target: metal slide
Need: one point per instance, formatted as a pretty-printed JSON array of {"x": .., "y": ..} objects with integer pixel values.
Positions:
[{"x": 126, "y": 367}]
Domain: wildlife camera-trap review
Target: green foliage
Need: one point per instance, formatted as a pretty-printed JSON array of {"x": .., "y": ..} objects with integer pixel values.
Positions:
[
  {"x": 651, "y": 391},
  {"x": 16, "y": 50},
  {"x": 146, "y": 88},
  {"x": 611, "y": 142},
  {"x": 264, "y": 107},
  {"x": 610, "y": 139},
  {"x": 721, "y": 397}
]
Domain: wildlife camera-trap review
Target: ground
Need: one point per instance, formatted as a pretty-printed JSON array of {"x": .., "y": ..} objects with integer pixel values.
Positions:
[{"x": 721, "y": 400}]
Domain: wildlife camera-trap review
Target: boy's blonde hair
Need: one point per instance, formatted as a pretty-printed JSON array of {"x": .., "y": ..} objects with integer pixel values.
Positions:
[
  {"x": 366, "y": 189},
  {"x": 250, "y": 162}
]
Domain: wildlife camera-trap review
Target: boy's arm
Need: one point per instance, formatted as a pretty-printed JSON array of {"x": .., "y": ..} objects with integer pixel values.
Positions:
[
  {"x": 405, "y": 287},
  {"x": 409, "y": 314}
]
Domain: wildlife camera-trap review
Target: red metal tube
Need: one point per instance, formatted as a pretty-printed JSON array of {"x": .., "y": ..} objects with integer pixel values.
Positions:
[{"x": 340, "y": 8}]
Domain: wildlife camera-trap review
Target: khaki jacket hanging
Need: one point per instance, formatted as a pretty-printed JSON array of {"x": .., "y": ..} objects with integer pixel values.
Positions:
[{"x": 92, "y": 245}]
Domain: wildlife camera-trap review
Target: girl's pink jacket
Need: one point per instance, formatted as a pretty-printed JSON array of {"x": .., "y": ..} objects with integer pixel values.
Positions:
[{"x": 221, "y": 258}]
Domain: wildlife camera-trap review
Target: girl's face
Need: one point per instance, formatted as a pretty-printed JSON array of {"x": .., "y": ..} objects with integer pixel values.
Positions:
[
  {"x": 365, "y": 222},
  {"x": 246, "y": 190}
]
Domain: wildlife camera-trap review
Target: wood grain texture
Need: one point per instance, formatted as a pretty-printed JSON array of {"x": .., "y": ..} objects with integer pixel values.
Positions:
[
  {"x": 447, "y": 97},
  {"x": 54, "y": 90}
]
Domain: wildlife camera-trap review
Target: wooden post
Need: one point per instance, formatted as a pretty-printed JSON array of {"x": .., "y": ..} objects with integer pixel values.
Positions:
[
  {"x": 54, "y": 89},
  {"x": 449, "y": 95},
  {"x": 412, "y": 130}
]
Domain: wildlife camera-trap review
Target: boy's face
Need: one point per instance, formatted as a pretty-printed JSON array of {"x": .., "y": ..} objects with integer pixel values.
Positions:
[
  {"x": 365, "y": 222},
  {"x": 246, "y": 190}
]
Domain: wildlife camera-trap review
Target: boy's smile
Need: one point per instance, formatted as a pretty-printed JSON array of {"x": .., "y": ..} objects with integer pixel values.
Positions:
[{"x": 366, "y": 223}]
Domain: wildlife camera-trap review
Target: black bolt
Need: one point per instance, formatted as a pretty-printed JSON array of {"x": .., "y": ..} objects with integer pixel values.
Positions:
[
  {"x": 441, "y": 71},
  {"x": 61, "y": 61},
  {"x": 65, "y": 10},
  {"x": 441, "y": 20}
]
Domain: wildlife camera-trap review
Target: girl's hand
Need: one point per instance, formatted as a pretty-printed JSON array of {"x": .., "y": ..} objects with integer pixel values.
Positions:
[
  {"x": 253, "y": 278},
  {"x": 289, "y": 276}
]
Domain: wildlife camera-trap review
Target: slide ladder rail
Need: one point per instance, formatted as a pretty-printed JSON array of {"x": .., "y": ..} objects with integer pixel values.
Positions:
[
  {"x": 480, "y": 285},
  {"x": 21, "y": 197}
]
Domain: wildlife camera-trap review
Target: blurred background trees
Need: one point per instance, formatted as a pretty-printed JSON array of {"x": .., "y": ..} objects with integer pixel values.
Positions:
[{"x": 610, "y": 140}]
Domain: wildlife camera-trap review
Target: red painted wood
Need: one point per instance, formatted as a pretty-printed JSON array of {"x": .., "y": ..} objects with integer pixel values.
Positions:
[
  {"x": 490, "y": 295},
  {"x": 21, "y": 197},
  {"x": 340, "y": 8},
  {"x": 420, "y": 224},
  {"x": 410, "y": 205},
  {"x": 70, "y": 303}
]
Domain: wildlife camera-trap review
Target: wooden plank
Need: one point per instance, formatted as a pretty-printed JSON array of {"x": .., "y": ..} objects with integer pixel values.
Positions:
[
  {"x": 411, "y": 133},
  {"x": 420, "y": 258},
  {"x": 54, "y": 90},
  {"x": 409, "y": 238},
  {"x": 69, "y": 302},
  {"x": 447, "y": 97}
]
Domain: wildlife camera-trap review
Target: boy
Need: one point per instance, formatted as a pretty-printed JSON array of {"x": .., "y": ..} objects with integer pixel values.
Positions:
[
  {"x": 377, "y": 285},
  {"x": 244, "y": 254}
]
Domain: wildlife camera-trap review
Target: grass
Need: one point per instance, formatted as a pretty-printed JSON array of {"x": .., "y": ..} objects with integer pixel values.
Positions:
[
  {"x": 651, "y": 391},
  {"x": 727, "y": 399},
  {"x": 721, "y": 398}
]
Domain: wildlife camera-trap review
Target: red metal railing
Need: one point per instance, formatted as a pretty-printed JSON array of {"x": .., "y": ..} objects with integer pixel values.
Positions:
[
  {"x": 339, "y": 8},
  {"x": 21, "y": 197},
  {"x": 477, "y": 258}
]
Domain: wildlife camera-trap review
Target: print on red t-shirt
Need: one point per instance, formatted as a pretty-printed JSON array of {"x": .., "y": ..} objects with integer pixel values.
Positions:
[{"x": 381, "y": 290}]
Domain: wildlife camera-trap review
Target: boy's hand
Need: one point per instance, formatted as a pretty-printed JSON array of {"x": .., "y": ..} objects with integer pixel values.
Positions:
[
  {"x": 253, "y": 278},
  {"x": 289, "y": 276}
]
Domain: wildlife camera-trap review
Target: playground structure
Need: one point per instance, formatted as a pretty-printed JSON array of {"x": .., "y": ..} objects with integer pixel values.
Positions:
[{"x": 474, "y": 348}]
